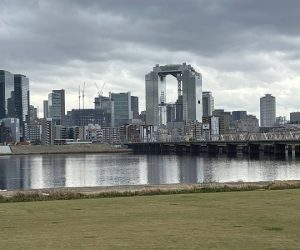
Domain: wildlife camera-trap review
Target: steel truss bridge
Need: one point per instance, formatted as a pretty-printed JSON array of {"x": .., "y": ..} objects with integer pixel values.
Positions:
[
  {"x": 250, "y": 143},
  {"x": 272, "y": 136}
]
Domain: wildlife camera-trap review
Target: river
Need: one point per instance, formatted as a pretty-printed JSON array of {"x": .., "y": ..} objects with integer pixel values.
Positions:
[{"x": 83, "y": 170}]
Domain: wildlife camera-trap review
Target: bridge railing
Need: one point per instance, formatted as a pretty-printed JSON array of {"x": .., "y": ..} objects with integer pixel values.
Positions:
[{"x": 271, "y": 136}]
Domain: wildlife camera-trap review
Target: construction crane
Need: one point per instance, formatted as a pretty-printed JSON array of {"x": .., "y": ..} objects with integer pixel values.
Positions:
[
  {"x": 83, "y": 95},
  {"x": 100, "y": 92},
  {"x": 79, "y": 96}
]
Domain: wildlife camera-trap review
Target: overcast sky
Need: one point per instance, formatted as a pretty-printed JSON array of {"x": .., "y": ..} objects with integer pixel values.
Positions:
[{"x": 243, "y": 48}]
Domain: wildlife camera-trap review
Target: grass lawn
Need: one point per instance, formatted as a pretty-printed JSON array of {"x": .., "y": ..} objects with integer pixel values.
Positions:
[{"x": 231, "y": 220}]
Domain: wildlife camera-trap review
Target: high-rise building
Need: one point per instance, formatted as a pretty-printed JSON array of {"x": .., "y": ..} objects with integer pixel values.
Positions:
[
  {"x": 35, "y": 133},
  {"x": 207, "y": 103},
  {"x": 84, "y": 117},
  {"x": 13, "y": 126},
  {"x": 6, "y": 94},
  {"x": 106, "y": 106},
  {"x": 135, "y": 107},
  {"x": 295, "y": 117},
  {"x": 21, "y": 102},
  {"x": 224, "y": 120},
  {"x": 47, "y": 131},
  {"x": 21, "y": 95},
  {"x": 189, "y": 86},
  {"x": 56, "y": 106},
  {"x": 45, "y": 109},
  {"x": 267, "y": 110},
  {"x": 33, "y": 116},
  {"x": 238, "y": 115},
  {"x": 122, "y": 108}
]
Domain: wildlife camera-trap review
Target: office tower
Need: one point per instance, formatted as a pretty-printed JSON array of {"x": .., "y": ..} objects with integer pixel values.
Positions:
[
  {"x": 21, "y": 103},
  {"x": 135, "y": 107},
  {"x": 189, "y": 87},
  {"x": 207, "y": 103},
  {"x": 21, "y": 96},
  {"x": 267, "y": 110},
  {"x": 224, "y": 120},
  {"x": 56, "y": 106},
  {"x": 247, "y": 124},
  {"x": 33, "y": 114},
  {"x": 83, "y": 117},
  {"x": 122, "y": 108},
  {"x": 12, "y": 126},
  {"x": 238, "y": 115},
  {"x": 171, "y": 112},
  {"x": 106, "y": 104},
  {"x": 45, "y": 108},
  {"x": 295, "y": 117},
  {"x": 6, "y": 94}
]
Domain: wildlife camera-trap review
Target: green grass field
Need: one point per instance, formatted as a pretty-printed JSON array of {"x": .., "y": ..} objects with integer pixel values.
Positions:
[{"x": 230, "y": 220}]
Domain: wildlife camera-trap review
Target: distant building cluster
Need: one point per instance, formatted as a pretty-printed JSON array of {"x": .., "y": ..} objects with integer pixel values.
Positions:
[{"x": 116, "y": 118}]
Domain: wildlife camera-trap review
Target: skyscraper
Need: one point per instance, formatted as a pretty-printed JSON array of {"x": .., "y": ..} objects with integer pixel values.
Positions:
[
  {"x": 56, "y": 106},
  {"x": 45, "y": 108},
  {"x": 6, "y": 94},
  {"x": 122, "y": 108},
  {"x": 135, "y": 107},
  {"x": 33, "y": 114},
  {"x": 207, "y": 103},
  {"x": 106, "y": 105},
  {"x": 189, "y": 87},
  {"x": 21, "y": 96},
  {"x": 267, "y": 110}
]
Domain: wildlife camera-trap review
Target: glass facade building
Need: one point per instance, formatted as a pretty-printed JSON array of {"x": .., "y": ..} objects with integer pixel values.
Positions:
[
  {"x": 207, "y": 103},
  {"x": 6, "y": 94},
  {"x": 122, "y": 108},
  {"x": 21, "y": 96},
  {"x": 189, "y": 91},
  {"x": 135, "y": 107},
  {"x": 56, "y": 106}
]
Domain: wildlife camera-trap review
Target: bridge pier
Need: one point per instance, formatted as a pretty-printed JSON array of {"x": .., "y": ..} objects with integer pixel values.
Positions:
[
  {"x": 280, "y": 149},
  {"x": 231, "y": 149},
  {"x": 253, "y": 149},
  {"x": 240, "y": 149},
  {"x": 291, "y": 150},
  {"x": 212, "y": 149},
  {"x": 195, "y": 149},
  {"x": 268, "y": 149},
  {"x": 165, "y": 148},
  {"x": 179, "y": 149}
]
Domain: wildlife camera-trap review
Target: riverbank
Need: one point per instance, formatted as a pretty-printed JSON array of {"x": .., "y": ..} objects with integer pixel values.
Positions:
[
  {"x": 231, "y": 220},
  {"x": 66, "y": 149},
  {"x": 66, "y": 193}
]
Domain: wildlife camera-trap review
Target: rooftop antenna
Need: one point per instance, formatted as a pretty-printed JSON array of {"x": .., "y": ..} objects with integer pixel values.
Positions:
[
  {"x": 79, "y": 97},
  {"x": 83, "y": 95}
]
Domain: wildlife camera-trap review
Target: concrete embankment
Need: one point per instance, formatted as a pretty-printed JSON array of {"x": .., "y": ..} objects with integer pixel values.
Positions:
[
  {"x": 64, "y": 193},
  {"x": 66, "y": 149}
]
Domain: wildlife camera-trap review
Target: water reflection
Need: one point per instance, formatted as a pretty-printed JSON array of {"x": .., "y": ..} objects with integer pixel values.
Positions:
[{"x": 42, "y": 171}]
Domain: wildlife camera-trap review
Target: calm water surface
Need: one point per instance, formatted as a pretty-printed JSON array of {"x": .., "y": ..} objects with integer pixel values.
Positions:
[{"x": 45, "y": 171}]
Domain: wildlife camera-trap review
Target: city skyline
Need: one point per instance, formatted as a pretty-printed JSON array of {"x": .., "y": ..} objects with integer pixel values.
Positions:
[{"x": 241, "y": 56}]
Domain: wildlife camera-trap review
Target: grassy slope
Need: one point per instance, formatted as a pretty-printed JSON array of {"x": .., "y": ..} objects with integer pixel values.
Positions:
[{"x": 234, "y": 220}]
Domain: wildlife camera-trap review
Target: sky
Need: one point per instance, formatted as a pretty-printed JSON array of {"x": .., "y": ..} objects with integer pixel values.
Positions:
[{"x": 243, "y": 49}]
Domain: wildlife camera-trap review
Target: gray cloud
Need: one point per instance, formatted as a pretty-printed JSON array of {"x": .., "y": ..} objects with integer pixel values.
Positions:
[{"x": 243, "y": 48}]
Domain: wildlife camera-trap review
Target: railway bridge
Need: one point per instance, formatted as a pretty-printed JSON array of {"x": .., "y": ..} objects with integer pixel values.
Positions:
[{"x": 279, "y": 143}]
